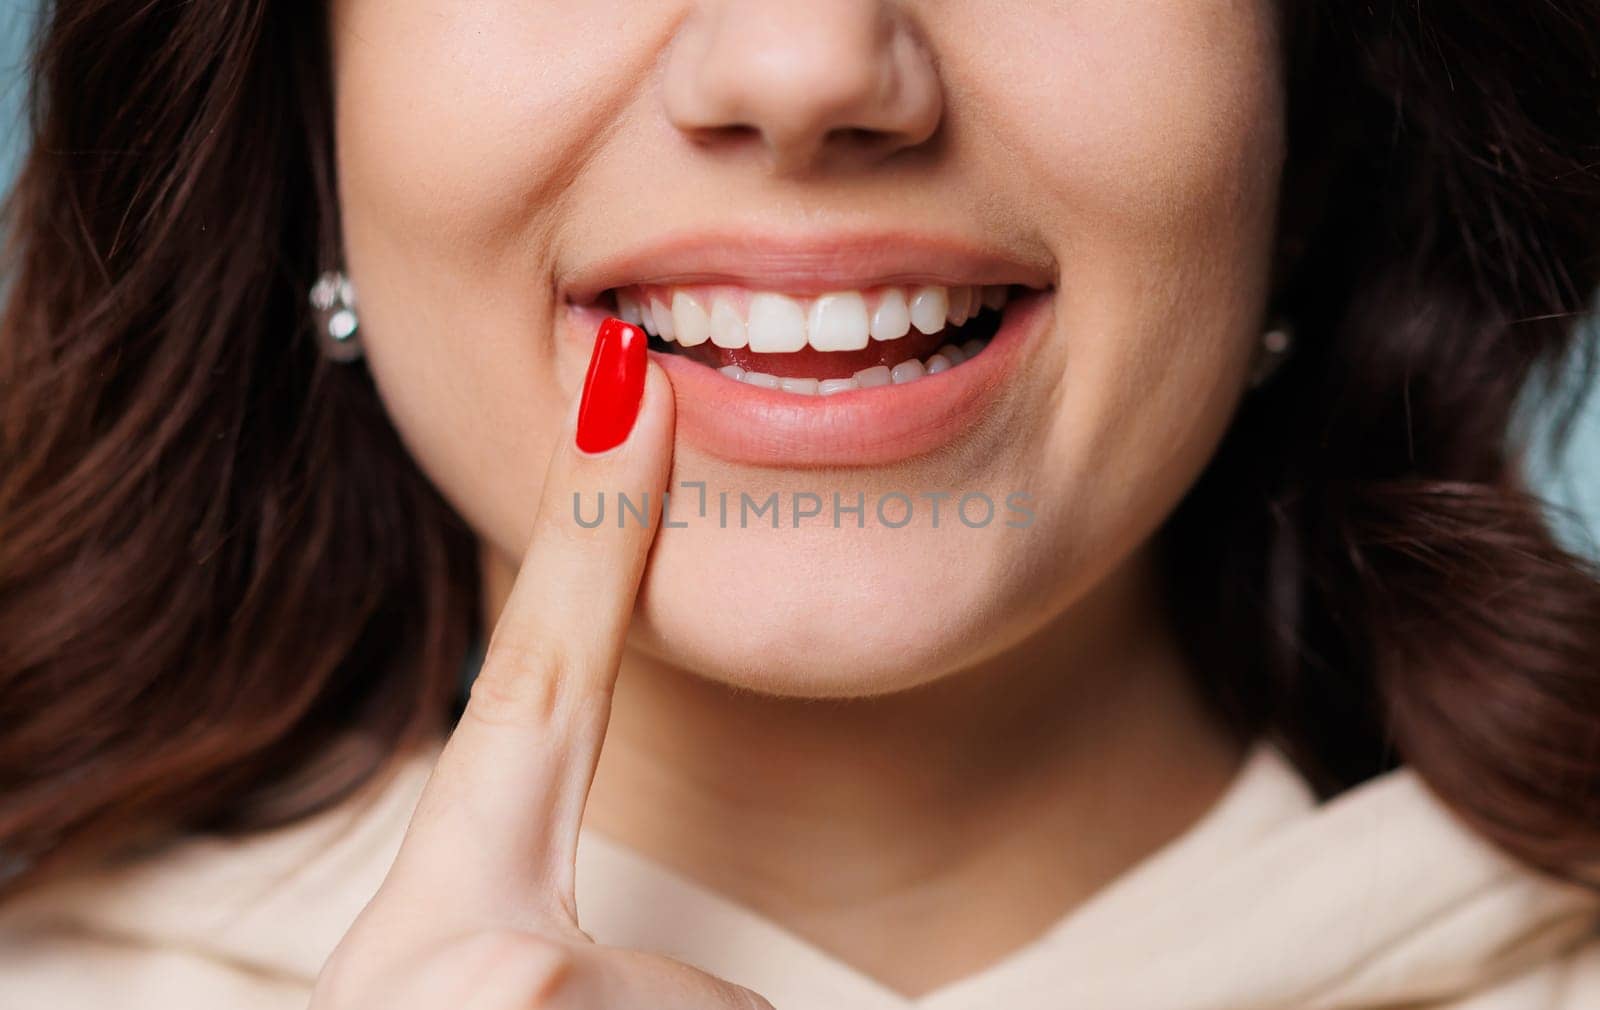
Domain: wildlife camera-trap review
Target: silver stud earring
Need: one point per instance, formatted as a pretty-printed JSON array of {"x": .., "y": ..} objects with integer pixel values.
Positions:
[
  {"x": 333, "y": 303},
  {"x": 1276, "y": 344}
]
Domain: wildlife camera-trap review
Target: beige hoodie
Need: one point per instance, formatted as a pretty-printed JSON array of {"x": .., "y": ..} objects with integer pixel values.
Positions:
[{"x": 1378, "y": 898}]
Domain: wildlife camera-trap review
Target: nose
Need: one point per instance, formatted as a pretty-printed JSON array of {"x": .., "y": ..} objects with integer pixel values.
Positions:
[{"x": 815, "y": 81}]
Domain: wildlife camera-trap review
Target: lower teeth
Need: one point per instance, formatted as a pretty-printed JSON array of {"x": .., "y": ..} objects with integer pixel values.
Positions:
[{"x": 944, "y": 358}]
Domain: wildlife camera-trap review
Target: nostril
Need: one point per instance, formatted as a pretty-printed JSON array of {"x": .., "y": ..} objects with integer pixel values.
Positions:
[
  {"x": 727, "y": 134},
  {"x": 856, "y": 136}
]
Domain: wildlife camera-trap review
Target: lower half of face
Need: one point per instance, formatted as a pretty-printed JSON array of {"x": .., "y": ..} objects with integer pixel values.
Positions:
[{"x": 939, "y": 374}]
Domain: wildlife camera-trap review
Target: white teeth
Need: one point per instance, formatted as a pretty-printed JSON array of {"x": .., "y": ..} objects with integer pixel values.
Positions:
[
  {"x": 628, "y": 308},
  {"x": 960, "y": 309},
  {"x": 946, "y": 358},
  {"x": 777, "y": 324},
  {"x": 663, "y": 317},
  {"x": 772, "y": 323},
  {"x": 891, "y": 319},
  {"x": 689, "y": 319},
  {"x": 727, "y": 329},
  {"x": 973, "y": 346},
  {"x": 877, "y": 375},
  {"x": 838, "y": 322},
  {"x": 907, "y": 371},
  {"x": 930, "y": 307}
]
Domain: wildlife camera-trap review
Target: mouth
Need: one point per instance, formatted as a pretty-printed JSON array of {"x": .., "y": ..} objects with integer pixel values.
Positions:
[
  {"x": 837, "y": 342},
  {"x": 839, "y": 352}
]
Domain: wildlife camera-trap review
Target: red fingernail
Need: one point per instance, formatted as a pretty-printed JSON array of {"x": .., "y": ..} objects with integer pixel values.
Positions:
[{"x": 613, "y": 387}]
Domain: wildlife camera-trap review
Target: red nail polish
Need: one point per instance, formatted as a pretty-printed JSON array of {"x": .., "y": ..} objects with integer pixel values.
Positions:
[{"x": 613, "y": 387}]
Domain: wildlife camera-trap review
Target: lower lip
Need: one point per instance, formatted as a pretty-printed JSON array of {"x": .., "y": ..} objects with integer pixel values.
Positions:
[{"x": 747, "y": 424}]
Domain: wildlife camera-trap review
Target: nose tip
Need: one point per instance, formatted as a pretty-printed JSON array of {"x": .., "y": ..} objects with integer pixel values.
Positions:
[{"x": 813, "y": 81}]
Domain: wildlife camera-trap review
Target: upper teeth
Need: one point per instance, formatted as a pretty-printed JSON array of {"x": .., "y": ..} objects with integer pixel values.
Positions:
[{"x": 768, "y": 322}]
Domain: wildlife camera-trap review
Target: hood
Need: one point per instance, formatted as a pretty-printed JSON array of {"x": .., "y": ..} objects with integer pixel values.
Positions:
[{"x": 1376, "y": 898}]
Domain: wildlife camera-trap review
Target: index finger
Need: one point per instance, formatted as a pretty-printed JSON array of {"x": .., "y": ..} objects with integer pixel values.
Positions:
[{"x": 498, "y": 819}]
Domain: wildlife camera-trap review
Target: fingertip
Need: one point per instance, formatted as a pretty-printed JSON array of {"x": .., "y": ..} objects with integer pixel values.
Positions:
[
  {"x": 613, "y": 388},
  {"x": 650, "y": 442},
  {"x": 644, "y": 451}
]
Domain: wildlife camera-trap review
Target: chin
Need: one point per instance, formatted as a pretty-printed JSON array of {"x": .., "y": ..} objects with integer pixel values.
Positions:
[{"x": 836, "y": 613}]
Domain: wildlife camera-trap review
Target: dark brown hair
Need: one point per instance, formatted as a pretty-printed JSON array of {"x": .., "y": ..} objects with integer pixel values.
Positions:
[{"x": 227, "y": 593}]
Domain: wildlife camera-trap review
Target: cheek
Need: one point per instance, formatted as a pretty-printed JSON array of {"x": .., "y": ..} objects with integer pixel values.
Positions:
[
  {"x": 455, "y": 129},
  {"x": 1164, "y": 117},
  {"x": 458, "y": 125},
  {"x": 1153, "y": 142},
  {"x": 1162, "y": 152}
]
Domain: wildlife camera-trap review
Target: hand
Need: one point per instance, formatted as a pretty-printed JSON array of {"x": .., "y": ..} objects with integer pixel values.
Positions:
[{"x": 478, "y": 910}]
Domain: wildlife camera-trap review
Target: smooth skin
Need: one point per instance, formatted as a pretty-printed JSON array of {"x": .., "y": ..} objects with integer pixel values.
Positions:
[
  {"x": 478, "y": 911},
  {"x": 962, "y": 734}
]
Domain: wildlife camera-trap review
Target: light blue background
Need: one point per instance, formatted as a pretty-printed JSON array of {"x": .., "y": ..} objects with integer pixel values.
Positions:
[
  {"x": 1571, "y": 482},
  {"x": 14, "y": 24}
]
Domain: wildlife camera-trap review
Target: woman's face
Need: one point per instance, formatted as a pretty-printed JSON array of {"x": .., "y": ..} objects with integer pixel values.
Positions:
[{"x": 508, "y": 170}]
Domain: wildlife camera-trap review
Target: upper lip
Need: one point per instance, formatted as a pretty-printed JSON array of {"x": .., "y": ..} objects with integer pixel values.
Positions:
[{"x": 805, "y": 264}]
